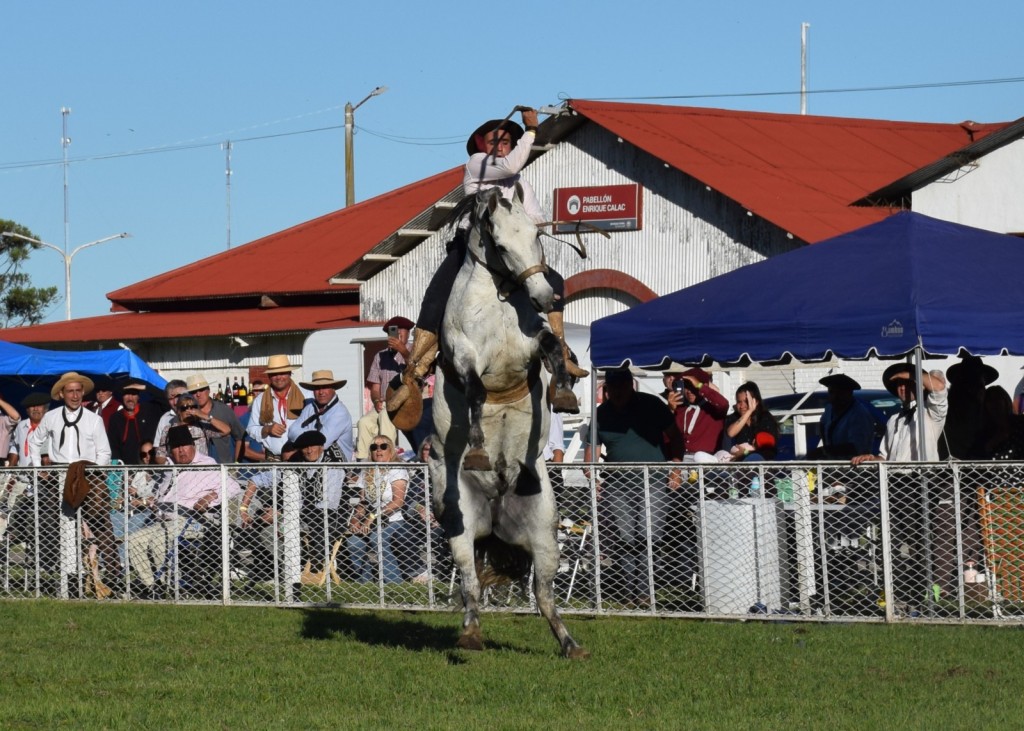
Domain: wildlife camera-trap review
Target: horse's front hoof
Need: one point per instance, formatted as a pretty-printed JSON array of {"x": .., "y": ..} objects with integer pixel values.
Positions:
[
  {"x": 476, "y": 460},
  {"x": 563, "y": 401},
  {"x": 470, "y": 640}
]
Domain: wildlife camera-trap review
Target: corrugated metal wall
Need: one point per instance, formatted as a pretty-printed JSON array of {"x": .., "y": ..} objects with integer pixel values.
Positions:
[{"x": 689, "y": 233}]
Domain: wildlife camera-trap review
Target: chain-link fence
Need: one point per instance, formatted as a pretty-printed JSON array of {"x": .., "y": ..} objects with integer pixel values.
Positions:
[{"x": 881, "y": 542}]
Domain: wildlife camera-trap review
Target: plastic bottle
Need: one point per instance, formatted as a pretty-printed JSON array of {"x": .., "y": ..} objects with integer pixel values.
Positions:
[
  {"x": 970, "y": 573},
  {"x": 755, "y": 486}
]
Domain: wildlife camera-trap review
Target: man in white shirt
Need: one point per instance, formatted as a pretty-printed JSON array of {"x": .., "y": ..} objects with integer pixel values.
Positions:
[
  {"x": 276, "y": 409},
  {"x": 36, "y": 405},
  {"x": 68, "y": 434},
  {"x": 917, "y": 531},
  {"x": 902, "y": 432}
]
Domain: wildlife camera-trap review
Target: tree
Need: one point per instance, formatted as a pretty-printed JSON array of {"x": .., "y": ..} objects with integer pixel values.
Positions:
[{"x": 20, "y": 302}]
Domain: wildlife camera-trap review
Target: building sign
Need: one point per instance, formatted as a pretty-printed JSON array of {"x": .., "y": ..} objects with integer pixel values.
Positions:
[{"x": 607, "y": 207}]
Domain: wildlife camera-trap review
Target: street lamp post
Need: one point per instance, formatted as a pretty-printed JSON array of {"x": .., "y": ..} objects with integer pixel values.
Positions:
[
  {"x": 67, "y": 260},
  {"x": 350, "y": 173}
]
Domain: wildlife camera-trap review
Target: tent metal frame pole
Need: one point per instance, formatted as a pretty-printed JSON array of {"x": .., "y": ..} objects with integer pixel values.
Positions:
[{"x": 922, "y": 456}]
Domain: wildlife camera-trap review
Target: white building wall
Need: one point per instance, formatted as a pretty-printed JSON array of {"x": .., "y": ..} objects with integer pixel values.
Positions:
[
  {"x": 987, "y": 196},
  {"x": 218, "y": 359}
]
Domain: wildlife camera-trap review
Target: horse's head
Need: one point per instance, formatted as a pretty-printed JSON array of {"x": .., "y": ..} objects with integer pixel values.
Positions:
[{"x": 508, "y": 246}]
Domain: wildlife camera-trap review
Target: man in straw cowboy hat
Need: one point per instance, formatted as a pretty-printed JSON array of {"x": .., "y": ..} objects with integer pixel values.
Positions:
[
  {"x": 498, "y": 150},
  {"x": 274, "y": 410},
  {"x": 325, "y": 413},
  {"x": 69, "y": 433}
]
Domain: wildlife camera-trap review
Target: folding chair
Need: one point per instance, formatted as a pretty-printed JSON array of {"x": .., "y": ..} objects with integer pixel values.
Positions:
[{"x": 184, "y": 546}]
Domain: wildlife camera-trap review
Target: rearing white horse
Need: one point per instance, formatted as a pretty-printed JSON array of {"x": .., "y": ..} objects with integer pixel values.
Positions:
[{"x": 491, "y": 414}]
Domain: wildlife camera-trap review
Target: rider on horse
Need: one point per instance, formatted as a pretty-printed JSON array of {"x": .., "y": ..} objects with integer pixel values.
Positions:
[{"x": 498, "y": 150}]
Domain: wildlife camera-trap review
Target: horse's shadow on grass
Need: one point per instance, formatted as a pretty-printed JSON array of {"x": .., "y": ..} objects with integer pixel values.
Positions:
[{"x": 375, "y": 630}]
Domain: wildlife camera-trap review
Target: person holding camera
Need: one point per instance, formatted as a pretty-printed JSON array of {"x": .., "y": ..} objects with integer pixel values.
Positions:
[
  {"x": 700, "y": 417},
  {"x": 387, "y": 365}
]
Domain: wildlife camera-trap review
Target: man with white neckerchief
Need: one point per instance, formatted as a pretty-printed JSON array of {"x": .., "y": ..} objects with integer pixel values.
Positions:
[{"x": 70, "y": 433}]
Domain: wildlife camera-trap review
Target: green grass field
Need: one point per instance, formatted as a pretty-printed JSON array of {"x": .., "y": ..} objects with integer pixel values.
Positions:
[{"x": 82, "y": 665}]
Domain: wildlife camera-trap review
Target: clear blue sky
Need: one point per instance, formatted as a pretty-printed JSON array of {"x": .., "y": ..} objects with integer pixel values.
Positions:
[{"x": 188, "y": 75}]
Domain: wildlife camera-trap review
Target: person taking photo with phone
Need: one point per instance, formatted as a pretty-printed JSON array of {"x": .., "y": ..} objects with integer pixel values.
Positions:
[{"x": 387, "y": 365}]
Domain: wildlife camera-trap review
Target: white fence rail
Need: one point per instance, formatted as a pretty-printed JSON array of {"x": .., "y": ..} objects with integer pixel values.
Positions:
[{"x": 817, "y": 541}]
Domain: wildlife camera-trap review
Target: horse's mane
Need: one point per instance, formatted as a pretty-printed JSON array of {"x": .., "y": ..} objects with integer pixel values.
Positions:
[{"x": 461, "y": 208}]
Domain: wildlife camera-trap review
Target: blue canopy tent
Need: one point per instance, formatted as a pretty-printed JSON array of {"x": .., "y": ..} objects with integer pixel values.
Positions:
[
  {"x": 886, "y": 289},
  {"x": 24, "y": 369}
]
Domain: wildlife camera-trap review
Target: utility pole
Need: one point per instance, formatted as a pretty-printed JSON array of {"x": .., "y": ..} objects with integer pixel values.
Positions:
[
  {"x": 803, "y": 67},
  {"x": 350, "y": 172},
  {"x": 227, "y": 173},
  {"x": 64, "y": 142}
]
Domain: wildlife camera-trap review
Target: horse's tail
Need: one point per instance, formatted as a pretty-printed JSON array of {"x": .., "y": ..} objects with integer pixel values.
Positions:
[{"x": 499, "y": 563}]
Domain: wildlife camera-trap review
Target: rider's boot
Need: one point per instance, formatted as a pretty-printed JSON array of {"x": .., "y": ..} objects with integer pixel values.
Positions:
[
  {"x": 405, "y": 405},
  {"x": 557, "y": 325}
]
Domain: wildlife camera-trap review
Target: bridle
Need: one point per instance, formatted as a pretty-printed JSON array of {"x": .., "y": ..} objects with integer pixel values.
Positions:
[{"x": 507, "y": 281}]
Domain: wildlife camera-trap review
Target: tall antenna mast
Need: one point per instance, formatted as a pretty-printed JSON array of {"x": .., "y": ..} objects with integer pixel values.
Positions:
[
  {"x": 227, "y": 175},
  {"x": 803, "y": 67},
  {"x": 64, "y": 142}
]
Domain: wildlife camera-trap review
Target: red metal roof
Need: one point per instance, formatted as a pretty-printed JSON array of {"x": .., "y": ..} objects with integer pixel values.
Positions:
[
  {"x": 176, "y": 325},
  {"x": 298, "y": 260},
  {"x": 802, "y": 173}
]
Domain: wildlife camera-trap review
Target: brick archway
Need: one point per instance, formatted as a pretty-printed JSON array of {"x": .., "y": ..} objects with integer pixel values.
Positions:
[{"x": 608, "y": 279}]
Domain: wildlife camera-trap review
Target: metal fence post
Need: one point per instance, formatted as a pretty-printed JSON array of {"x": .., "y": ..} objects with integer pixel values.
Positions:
[
  {"x": 596, "y": 536},
  {"x": 650, "y": 533},
  {"x": 35, "y": 509},
  {"x": 961, "y": 599},
  {"x": 225, "y": 537},
  {"x": 883, "y": 491}
]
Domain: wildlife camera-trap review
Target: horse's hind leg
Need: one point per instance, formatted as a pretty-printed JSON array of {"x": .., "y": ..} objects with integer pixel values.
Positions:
[
  {"x": 476, "y": 459},
  {"x": 563, "y": 400},
  {"x": 545, "y": 565}
]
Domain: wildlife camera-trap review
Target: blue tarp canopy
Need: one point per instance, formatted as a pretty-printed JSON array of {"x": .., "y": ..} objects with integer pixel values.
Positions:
[
  {"x": 879, "y": 290},
  {"x": 24, "y": 369}
]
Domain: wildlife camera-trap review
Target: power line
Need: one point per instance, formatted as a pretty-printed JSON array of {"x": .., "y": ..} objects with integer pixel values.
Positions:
[
  {"x": 197, "y": 143},
  {"x": 847, "y": 90}
]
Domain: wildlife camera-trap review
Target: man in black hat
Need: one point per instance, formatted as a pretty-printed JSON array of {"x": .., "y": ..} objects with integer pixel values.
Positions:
[
  {"x": 387, "y": 364},
  {"x": 498, "y": 150},
  {"x": 132, "y": 426},
  {"x": 900, "y": 443},
  {"x": 847, "y": 427},
  {"x": 36, "y": 405},
  {"x": 103, "y": 402},
  {"x": 968, "y": 380},
  {"x": 179, "y": 502}
]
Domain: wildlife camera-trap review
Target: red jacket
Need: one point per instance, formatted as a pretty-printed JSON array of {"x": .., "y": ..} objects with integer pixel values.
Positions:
[{"x": 702, "y": 423}]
